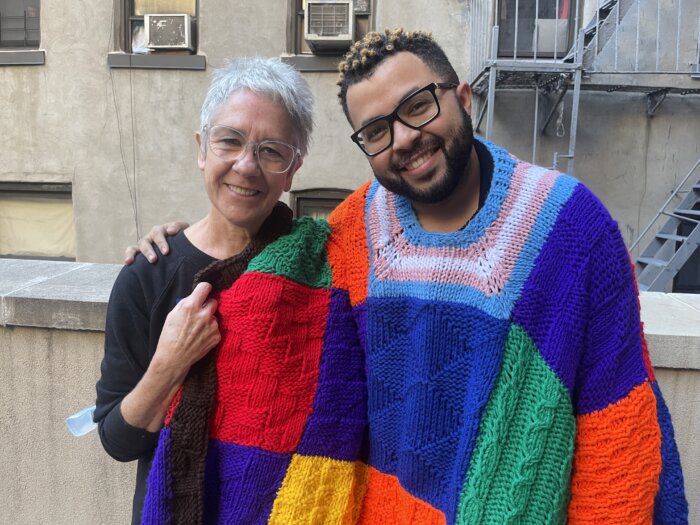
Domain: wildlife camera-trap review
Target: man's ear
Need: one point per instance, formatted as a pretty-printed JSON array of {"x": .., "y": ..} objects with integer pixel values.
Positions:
[
  {"x": 464, "y": 93},
  {"x": 200, "y": 155},
  {"x": 290, "y": 175}
]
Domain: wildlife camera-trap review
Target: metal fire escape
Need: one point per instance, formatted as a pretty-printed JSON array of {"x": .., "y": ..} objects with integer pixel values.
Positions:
[
  {"x": 677, "y": 239},
  {"x": 650, "y": 47}
]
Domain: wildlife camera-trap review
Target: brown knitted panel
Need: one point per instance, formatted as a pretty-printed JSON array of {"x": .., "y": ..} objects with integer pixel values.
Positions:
[{"x": 190, "y": 422}]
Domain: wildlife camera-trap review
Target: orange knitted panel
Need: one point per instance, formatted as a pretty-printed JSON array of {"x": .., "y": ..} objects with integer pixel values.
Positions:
[
  {"x": 386, "y": 501},
  {"x": 617, "y": 462},
  {"x": 347, "y": 246}
]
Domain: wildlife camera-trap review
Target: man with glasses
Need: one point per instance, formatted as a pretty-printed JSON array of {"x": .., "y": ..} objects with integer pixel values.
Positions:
[{"x": 508, "y": 378}]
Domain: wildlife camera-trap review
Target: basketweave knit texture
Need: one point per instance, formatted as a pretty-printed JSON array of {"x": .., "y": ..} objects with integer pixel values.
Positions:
[
  {"x": 508, "y": 378},
  {"x": 287, "y": 412}
]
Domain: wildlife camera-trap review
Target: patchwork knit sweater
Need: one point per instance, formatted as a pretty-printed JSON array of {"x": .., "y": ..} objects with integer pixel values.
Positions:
[
  {"x": 268, "y": 427},
  {"x": 508, "y": 377}
]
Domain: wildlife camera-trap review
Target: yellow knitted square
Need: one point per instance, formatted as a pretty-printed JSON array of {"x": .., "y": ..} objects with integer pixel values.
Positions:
[{"x": 321, "y": 491}]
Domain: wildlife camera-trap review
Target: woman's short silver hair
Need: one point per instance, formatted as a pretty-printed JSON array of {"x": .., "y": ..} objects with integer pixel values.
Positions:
[{"x": 265, "y": 76}]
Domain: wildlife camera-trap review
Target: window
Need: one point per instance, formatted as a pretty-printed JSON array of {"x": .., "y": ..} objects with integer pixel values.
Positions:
[
  {"x": 322, "y": 30},
  {"x": 317, "y": 203},
  {"x": 526, "y": 26},
  {"x": 158, "y": 34},
  {"x": 36, "y": 221},
  {"x": 163, "y": 28},
  {"x": 19, "y": 24}
]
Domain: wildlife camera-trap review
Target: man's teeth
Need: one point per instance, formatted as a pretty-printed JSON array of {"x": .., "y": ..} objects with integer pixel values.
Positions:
[
  {"x": 242, "y": 191},
  {"x": 419, "y": 161}
]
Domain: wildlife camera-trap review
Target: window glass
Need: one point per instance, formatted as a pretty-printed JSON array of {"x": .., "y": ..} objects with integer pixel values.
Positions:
[
  {"x": 19, "y": 23},
  {"x": 317, "y": 203},
  {"x": 36, "y": 226},
  {"x": 529, "y": 25}
]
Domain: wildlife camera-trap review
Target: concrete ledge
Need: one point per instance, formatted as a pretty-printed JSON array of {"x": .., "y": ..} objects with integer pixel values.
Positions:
[
  {"x": 157, "y": 61},
  {"x": 22, "y": 57},
  {"x": 49, "y": 294},
  {"x": 73, "y": 296},
  {"x": 672, "y": 328}
]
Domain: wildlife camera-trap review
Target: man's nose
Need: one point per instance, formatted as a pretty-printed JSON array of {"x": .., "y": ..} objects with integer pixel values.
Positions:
[{"x": 404, "y": 136}]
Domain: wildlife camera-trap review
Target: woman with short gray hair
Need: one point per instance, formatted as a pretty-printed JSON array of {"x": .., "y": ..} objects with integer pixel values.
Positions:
[{"x": 251, "y": 388}]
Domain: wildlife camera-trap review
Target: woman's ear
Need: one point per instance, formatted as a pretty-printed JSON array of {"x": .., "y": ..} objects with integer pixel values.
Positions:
[{"x": 200, "y": 155}]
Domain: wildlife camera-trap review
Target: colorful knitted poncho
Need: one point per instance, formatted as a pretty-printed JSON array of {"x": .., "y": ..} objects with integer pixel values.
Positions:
[
  {"x": 268, "y": 427},
  {"x": 508, "y": 377}
]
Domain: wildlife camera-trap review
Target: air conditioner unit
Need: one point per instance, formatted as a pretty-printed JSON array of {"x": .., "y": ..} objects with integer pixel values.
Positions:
[
  {"x": 169, "y": 31},
  {"x": 329, "y": 25}
]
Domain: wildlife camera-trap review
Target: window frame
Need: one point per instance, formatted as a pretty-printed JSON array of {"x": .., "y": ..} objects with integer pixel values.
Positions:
[
  {"x": 300, "y": 56},
  {"x": 24, "y": 55},
  {"x": 507, "y": 53},
  {"x": 123, "y": 57},
  {"x": 308, "y": 197},
  {"x": 46, "y": 190}
]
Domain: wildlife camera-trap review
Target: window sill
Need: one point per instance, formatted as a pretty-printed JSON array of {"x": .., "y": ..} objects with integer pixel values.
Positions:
[
  {"x": 22, "y": 57},
  {"x": 156, "y": 61},
  {"x": 311, "y": 63}
]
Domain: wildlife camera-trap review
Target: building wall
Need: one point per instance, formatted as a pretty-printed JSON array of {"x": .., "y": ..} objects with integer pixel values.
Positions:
[{"x": 125, "y": 137}]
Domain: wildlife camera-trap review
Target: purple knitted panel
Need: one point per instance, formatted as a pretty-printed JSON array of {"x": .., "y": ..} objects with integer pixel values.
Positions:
[
  {"x": 156, "y": 506},
  {"x": 240, "y": 483},
  {"x": 360, "y": 314},
  {"x": 336, "y": 427},
  {"x": 579, "y": 306}
]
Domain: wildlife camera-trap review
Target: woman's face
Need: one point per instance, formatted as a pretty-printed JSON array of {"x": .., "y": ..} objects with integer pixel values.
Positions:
[{"x": 240, "y": 191}]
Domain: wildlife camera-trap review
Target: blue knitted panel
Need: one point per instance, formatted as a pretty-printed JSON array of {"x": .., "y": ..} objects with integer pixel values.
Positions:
[
  {"x": 156, "y": 506},
  {"x": 337, "y": 425},
  {"x": 670, "y": 505},
  {"x": 580, "y": 300},
  {"x": 431, "y": 367},
  {"x": 240, "y": 483}
]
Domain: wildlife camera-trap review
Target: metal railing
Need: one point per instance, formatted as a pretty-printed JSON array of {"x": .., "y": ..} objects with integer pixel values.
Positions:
[
  {"x": 622, "y": 36},
  {"x": 681, "y": 188}
]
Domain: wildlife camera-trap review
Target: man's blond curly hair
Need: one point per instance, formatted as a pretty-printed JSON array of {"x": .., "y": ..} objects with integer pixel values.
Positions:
[{"x": 366, "y": 54}]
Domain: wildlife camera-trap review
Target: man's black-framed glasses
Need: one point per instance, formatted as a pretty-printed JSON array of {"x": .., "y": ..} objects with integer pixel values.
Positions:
[
  {"x": 229, "y": 144},
  {"x": 415, "y": 111}
]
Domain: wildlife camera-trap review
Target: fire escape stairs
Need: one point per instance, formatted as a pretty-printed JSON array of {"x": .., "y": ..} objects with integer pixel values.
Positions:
[{"x": 675, "y": 242}]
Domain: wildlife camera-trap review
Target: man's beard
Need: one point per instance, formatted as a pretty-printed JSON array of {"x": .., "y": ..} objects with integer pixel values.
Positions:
[{"x": 457, "y": 153}]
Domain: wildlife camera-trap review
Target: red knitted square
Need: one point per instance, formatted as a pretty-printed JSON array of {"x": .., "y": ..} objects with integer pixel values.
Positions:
[{"x": 268, "y": 361}]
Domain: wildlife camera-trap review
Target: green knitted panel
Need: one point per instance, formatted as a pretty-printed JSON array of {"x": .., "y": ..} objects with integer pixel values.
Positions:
[
  {"x": 521, "y": 465},
  {"x": 299, "y": 256}
]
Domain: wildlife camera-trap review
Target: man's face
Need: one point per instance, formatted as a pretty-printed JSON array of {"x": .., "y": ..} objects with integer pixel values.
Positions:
[{"x": 423, "y": 164}]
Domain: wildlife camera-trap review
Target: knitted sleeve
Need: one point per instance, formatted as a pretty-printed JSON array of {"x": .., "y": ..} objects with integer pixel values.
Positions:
[
  {"x": 626, "y": 467},
  {"x": 347, "y": 246}
]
